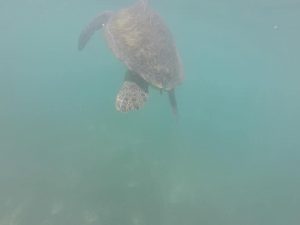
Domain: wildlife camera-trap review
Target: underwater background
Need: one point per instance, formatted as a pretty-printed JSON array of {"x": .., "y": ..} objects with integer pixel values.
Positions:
[{"x": 232, "y": 158}]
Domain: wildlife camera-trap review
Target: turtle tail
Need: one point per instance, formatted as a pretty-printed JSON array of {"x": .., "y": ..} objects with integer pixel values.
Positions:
[
  {"x": 173, "y": 102},
  {"x": 96, "y": 24}
]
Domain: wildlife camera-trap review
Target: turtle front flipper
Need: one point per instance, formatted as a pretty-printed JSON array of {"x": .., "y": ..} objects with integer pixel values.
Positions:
[
  {"x": 133, "y": 93},
  {"x": 96, "y": 24}
]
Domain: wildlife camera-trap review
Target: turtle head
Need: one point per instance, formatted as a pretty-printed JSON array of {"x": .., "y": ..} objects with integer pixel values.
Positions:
[{"x": 95, "y": 24}]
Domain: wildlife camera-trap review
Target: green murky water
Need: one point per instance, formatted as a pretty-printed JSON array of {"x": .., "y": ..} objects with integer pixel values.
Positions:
[{"x": 233, "y": 158}]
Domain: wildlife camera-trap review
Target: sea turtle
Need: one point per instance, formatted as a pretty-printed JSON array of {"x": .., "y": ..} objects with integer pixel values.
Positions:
[{"x": 140, "y": 39}]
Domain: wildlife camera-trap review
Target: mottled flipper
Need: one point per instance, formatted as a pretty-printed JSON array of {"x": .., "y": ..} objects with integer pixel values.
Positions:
[{"x": 133, "y": 94}]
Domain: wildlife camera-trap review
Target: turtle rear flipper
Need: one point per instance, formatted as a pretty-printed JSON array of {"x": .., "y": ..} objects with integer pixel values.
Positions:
[
  {"x": 96, "y": 24},
  {"x": 133, "y": 93},
  {"x": 173, "y": 101}
]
